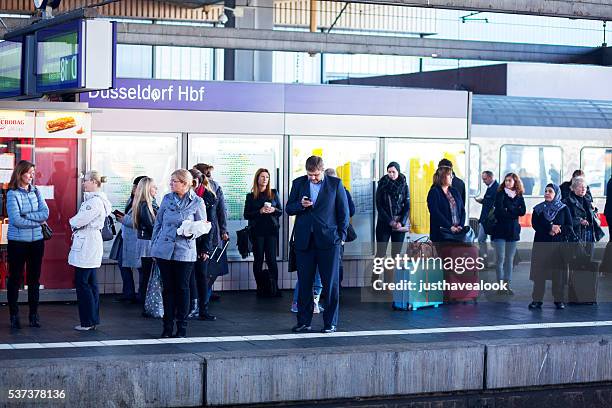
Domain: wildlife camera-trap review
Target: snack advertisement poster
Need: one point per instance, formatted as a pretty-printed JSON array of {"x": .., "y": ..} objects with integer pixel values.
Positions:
[{"x": 67, "y": 125}]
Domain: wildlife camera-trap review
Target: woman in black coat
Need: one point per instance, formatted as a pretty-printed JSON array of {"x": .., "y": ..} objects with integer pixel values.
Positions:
[
  {"x": 393, "y": 208},
  {"x": 262, "y": 208},
  {"x": 446, "y": 209},
  {"x": 509, "y": 206},
  {"x": 551, "y": 221},
  {"x": 204, "y": 247}
]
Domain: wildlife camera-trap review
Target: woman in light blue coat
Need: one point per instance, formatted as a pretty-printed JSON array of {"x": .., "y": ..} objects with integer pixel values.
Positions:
[
  {"x": 27, "y": 211},
  {"x": 176, "y": 254}
]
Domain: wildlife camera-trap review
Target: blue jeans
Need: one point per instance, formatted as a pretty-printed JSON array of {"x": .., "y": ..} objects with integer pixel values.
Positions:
[
  {"x": 88, "y": 296},
  {"x": 505, "y": 251},
  {"x": 483, "y": 249},
  {"x": 316, "y": 288}
]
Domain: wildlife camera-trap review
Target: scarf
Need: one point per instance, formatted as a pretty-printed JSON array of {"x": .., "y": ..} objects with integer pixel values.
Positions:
[
  {"x": 394, "y": 190},
  {"x": 552, "y": 208},
  {"x": 510, "y": 193}
]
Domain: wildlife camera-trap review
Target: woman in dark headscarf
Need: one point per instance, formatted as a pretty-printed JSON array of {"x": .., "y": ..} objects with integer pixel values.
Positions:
[
  {"x": 551, "y": 220},
  {"x": 393, "y": 207}
]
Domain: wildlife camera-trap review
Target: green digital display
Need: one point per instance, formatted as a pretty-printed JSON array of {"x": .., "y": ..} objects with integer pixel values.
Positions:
[
  {"x": 57, "y": 58},
  {"x": 10, "y": 69}
]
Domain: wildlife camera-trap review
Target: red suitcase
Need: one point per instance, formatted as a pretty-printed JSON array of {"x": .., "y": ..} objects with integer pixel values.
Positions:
[{"x": 468, "y": 273}]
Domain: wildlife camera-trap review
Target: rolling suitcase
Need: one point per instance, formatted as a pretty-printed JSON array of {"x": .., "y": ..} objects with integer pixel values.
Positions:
[
  {"x": 416, "y": 298},
  {"x": 460, "y": 275}
]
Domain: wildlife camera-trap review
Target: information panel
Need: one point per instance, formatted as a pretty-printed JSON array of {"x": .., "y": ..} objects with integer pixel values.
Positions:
[
  {"x": 10, "y": 69},
  {"x": 58, "y": 57}
]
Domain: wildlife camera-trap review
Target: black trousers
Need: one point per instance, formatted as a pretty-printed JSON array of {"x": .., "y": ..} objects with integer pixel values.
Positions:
[
  {"x": 265, "y": 247},
  {"x": 558, "y": 287},
  {"x": 383, "y": 234},
  {"x": 175, "y": 279},
  {"x": 146, "y": 267},
  {"x": 30, "y": 255},
  {"x": 193, "y": 284}
]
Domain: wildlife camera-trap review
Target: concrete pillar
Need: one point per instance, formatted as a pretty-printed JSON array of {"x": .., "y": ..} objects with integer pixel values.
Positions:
[{"x": 245, "y": 65}]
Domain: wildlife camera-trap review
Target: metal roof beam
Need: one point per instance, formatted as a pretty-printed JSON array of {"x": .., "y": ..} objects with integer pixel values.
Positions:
[
  {"x": 299, "y": 41},
  {"x": 577, "y": 9}
]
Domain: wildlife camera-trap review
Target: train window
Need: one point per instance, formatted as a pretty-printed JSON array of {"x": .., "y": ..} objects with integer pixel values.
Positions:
[
  {"x": 536, "y": 166},
  {"x": 355, "y": 161},
  {"x": 236, "y": 158},
  {"x": 122, "y": 156},
  {"x": 596, "y": 162},
  {"x": 474, "y": 171},
  {"x": 419, "y": 161}
]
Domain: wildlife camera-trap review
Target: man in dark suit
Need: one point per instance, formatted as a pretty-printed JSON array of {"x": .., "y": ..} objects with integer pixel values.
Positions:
[
  {"x": 322, "y": 216},
  {"x": 457, "y": 183},
  {"x": 488, "y": 201}
]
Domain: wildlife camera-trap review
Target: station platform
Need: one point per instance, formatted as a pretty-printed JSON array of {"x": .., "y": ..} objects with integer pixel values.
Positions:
[{"x": 249, "y": 356}]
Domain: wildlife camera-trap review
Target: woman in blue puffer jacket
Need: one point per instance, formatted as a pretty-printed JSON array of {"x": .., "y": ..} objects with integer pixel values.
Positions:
[{"x": 27, "y": 211}]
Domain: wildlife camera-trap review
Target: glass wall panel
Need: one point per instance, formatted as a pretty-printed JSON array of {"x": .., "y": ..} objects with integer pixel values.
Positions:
[
  {"x": 535, "y": 165},
  {"x": 474, "y": 178},
  {"x": 187, "y": 63},
  {"x": 123, "y": 156},
  {"x": 134, "y": 61},
  {"x": 419, "y": 161},
  {"x": 236, "y": 158},
  {"x": 596, "y": 162},
  {"x": 355, "y": 162}
]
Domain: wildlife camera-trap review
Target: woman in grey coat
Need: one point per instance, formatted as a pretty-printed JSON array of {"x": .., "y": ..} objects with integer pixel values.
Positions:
[{"x": 174, "y": 250}]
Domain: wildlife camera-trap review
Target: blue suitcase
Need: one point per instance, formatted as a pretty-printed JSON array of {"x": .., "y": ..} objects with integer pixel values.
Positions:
[{"x": 416, "y": 298}]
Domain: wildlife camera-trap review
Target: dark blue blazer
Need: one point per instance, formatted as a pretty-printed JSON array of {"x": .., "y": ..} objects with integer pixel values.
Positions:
[
  {"x": 440, "y": 212},
  {"x": 488, "y": 201},
  {"x": 327, "y": 219},
  {"x": 351, "y": 204}
]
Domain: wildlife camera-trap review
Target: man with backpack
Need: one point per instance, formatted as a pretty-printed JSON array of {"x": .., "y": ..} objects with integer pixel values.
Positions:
[{"x": 487, "y": 202}]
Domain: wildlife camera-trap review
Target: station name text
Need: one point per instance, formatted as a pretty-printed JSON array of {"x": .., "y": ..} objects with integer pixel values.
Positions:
[{"x": 170, "y": 93}]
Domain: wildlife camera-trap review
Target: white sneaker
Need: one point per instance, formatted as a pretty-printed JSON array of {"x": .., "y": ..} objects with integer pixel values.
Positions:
[
  {"x": 316, "y": 309},
  {"x": 294, "y": 308},
  {"x": 82, "y": 328}
]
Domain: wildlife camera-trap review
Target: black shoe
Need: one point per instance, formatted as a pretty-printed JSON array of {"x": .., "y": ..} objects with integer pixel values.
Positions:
[
  {"x": 34, "y": 320},
  {"x": 301, "y": 328},
  {"x": 535, "y": 305},
  {"x": 215, "y": 297},
  {"x": 194, "y": 309},
  {"x": 204, "y": 315},
  {"x": 560, "y": 305},
  {"x": 166, "y": 334},
  {"x": 15, "y": 324},
  {"x": 181, "y": 332},
  {"x": 329, "y": 329}
]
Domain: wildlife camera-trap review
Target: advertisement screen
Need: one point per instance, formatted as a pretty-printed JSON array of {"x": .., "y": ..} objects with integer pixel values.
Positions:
[
  {"x": 57, "y": 58},
  {"x": 10, "y": 69}
]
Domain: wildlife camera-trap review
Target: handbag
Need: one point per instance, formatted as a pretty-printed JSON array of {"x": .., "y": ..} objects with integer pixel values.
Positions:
[
  {"x": 47, "y": 232},
  {"x": 217, "y": 261},
  {"x": 243, "y": 241},
  {"x": 154, "y": 303},
  {"x": 490, "y": 222},
  {"x": 292, "y": 265},
  {"x": 466, "y": 235},
  {"x": 574, "y": 252},
  {"x": 108, "y": 230},
  {"x": 351, "y": 235}
]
